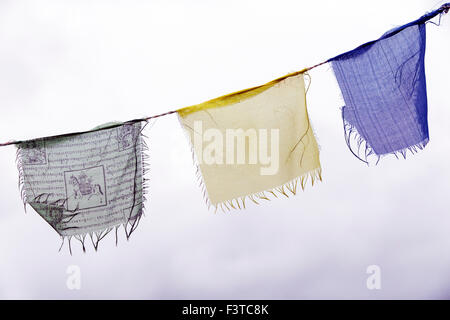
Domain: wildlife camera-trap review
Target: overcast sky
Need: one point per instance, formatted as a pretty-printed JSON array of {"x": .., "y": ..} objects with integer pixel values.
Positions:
[{"x": 72, "y": 65}]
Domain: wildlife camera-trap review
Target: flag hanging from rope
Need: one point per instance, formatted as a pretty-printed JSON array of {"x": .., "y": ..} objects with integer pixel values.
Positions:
[
  {"x": 253, "y": 143},
  {"x": 384, "y": 89},
  {"x": 85, "y": 184}
]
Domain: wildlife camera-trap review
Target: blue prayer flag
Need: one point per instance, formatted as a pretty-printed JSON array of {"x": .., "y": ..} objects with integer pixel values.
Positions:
[{"x": 384, "y": 89}]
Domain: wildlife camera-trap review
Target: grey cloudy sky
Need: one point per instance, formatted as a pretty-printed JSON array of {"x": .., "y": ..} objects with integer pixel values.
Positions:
[{"x": 72, "y": 65}]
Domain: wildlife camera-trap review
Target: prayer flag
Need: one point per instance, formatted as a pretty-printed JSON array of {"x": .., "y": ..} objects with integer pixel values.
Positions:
[
  {"x": 85, "y": 184},
  {"x": 253, "y": 143},
  {"x": 384, "y": 89}
]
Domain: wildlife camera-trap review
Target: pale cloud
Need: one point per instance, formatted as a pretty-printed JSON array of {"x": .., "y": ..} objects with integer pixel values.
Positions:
[{"x": 68, "y": 66}]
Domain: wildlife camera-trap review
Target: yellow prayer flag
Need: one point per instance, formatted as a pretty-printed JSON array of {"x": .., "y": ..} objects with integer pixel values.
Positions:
[{"x": 253, "y": 142}]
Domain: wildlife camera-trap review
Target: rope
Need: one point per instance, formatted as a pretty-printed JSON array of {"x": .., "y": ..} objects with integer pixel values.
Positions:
[{"x": 442, "y": 10}]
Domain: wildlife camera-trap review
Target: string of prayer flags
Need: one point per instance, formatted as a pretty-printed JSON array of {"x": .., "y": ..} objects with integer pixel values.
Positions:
[{"x": 248, "y": 146}]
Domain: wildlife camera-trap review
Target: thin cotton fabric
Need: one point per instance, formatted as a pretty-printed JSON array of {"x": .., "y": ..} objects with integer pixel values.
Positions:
[
  {"x": 85, "y": 184},
  {"x": 384, "y": 89},
  {"x": 276, "y": 107}
]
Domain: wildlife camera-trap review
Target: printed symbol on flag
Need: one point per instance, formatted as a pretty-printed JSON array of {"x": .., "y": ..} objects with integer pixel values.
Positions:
[
  {"x": 34, "y": 153},
  {"x": 126, "y": 136},
  {"x": 85, "y": 188}
]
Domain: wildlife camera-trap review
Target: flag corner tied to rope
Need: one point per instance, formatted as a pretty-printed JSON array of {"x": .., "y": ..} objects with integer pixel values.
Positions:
[
  {"x": 253, "y": 143},
  {"x": 86, "y": 184},
  {"x": 384, "y": 89}
]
